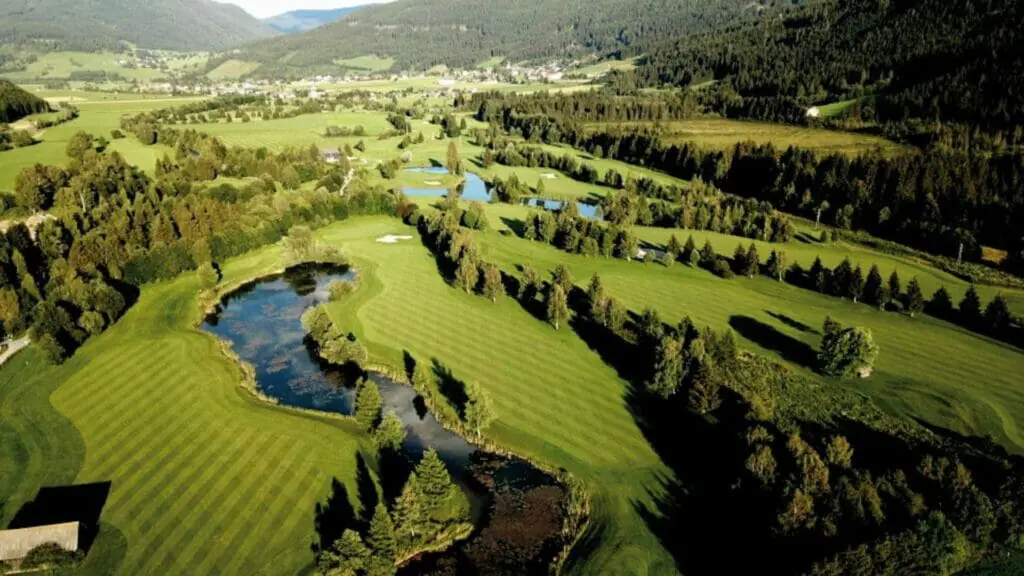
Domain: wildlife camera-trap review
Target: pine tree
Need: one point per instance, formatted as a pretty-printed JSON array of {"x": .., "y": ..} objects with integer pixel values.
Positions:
[
  {"x": 435, "y": 484},
  {"x": 819, "y": 276},
  {"x": 875, "y": 292},
  {"x": 479, "y": 414},
  {"x": 368, "y": 405},
  {"x": 390, "y": 434},
  {"x": 348, "y": 556},
  {"x": 407, "y": 512},
  {"x": 541, "y": 188},
  {"x": 997, "y": 315},
  {"x": 895, "y": 288},
  {"x": 453, "y": 164},
  {"x": 707, "y": 255},
  {"x": 914, "y": 298},
  {"x": 841, "y": 278},
  {"x": 557, "y": 305},
  {"x": 752, "y": 262},
  {"x": 668, "y": 368},
  {"x": 689, "y": 248},
  {"x": 941, "y": 305},
  {"x": 855, "y": 285},
  {"x": 704, "y": 395},
  {"x": 674, "y": 247},
  {"x": 739, "y": 260},
  {"x": 970, "y": 307},
  {"x": 381, "y": 541}
]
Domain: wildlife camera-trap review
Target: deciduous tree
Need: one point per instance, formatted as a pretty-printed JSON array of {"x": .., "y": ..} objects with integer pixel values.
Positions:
[{"x": 557, "y": 305}]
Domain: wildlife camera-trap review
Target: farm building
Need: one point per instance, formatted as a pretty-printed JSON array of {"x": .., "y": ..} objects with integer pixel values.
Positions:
[
  {"x": 15, "y": 544},
  {"x": 330, "y": 155}
]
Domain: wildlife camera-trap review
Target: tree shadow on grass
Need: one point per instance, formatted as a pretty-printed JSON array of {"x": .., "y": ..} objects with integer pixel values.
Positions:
[
  {"x": 517, "y": 226},
  {"x": 332, "y": 517},
  {"x": 367, "y": 490},
  {"x": 768, "y": 337},
  {"x": 788, "y": 321},
  {"x": 453, "y": 389}
]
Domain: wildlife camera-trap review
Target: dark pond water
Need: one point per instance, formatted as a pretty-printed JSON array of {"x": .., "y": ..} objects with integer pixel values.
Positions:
[
  {"x": 591, "y": 211},
  {"x": 263, "y": 321},
  {"x": 472, "y": 189}
]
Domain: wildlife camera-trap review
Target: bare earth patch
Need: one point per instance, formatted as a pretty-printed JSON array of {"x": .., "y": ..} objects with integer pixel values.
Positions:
[{"x": 392, "y": 239}]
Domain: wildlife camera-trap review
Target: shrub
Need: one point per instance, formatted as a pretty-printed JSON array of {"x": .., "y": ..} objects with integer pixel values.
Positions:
[
  {"x": 339, "y": 289},
  {"x": 721, "y": 268}
]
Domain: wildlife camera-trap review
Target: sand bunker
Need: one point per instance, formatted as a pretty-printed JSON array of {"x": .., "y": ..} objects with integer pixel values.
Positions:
[{"x": 392, "y": 239}]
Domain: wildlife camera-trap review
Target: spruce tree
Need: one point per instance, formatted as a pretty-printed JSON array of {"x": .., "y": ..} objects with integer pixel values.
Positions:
[
  {"x": 674, "y": 247},
  {"x": 407, "y": 512},
  {"x": 435, "y": 485},
  {"x": 390, "y": 434},
  {"x": 941, "y": 305},
  {"x": 875, "y": 292},
  {"x": 707, "y": 255},
  {"x": 914, "y": 298},
  {"x": 970, "y": 307},
  {"x": 348, "y": 556},
  {"x": 819, "y": 276},
  {"x": 841, "y": 278},
  {"x": 895, "y": 288},
  {"x": 368, "y": 404},
  {"x": 689, "y": 248},
  {"x": 997, "y": 315},
  {"x": 752, "y": 262},
  {"x": 557, "y": 305},
  {"x": 668, "y": 368},
  {"x": 739, "y": 260},
  {"x": 381, "y": 541},
  {"x": 855, "y": 285}
]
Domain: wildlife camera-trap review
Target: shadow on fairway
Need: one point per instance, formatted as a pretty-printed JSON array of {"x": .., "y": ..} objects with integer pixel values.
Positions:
[
  {"x": 768, "y": 337},
  {"x": 332, "y": 517}
]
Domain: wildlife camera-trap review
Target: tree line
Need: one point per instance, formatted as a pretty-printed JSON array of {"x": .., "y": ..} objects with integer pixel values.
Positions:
[
  {"x": 16, "y": 103},
  {"x": 941, "y": 202}
]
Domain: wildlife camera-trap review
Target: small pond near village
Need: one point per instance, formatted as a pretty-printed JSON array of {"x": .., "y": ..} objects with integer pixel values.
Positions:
[{"x": 262, "y": 321}]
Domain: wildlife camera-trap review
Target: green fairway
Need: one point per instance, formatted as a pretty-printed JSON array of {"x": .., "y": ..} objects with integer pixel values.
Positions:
[
  {"x": 723, "y": 134},
  {"x": 204, "y": 478},
  {"x": 555, "y": 399}
]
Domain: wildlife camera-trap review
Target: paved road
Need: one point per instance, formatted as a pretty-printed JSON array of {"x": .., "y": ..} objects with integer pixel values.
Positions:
[{"x": 13, "y": 348}]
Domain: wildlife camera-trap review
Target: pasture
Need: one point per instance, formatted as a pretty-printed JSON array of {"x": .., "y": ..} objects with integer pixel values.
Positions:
[
  {"x": 723, "y": 134},
  {"x": 60, "y": 65},
  {"x": 204, "y": 478},
  {"x": 367, "y": 62},
  {"x": 232, "y": 70}
]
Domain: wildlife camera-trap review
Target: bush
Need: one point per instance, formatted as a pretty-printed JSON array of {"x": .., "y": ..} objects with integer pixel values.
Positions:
[
  {"x": 49, "y": 555},
  {"x": 721, "y": 268},
  {"x": 339, "y": 289},
  {"x": 847, "y": 352}
]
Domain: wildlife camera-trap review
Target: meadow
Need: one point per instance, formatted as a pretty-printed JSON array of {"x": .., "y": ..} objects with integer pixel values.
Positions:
[
  {"x": 62, "y": 64},
  {"x": 723, "y": 134},
  {"x": 203, "y": 477},
  {"x": 367, "y": 62},
  {"x": 232, "y": 70}
]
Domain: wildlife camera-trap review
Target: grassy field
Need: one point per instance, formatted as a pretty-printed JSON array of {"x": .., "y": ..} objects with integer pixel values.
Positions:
[
  {"x": 605, "y": 66},
  {"x": 556, "y": 400},
  {"x": 204, "y": 478},
  {"x": 232, "y": 70},
  {"x": 62, "y": 64},
  {"x": 368, "y": 62},
  {"x": 97, "y": 117},
  {"x": 722, "y": 134}
]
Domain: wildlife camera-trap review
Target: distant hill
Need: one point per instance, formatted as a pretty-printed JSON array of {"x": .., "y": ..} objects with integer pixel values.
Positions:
[
  {"x": 298, "y": 21},
  {"x": 419, "y": 34},
  {"x": 16, "y": 103},
  {"x": 906, "y": 59},
  {"x": 93, "y": 25}
]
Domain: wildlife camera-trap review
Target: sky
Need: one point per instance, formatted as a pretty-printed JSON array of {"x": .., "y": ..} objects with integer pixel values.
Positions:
[{"x": 267, "y": 8}]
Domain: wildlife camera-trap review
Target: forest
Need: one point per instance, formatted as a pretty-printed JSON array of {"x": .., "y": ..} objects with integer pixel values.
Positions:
[
  {"x": 914, "y": 64},
  {"x": 16, "y": 103},
  {"x": 938, "y": 201},
  {"x": 463, "y": 33}
]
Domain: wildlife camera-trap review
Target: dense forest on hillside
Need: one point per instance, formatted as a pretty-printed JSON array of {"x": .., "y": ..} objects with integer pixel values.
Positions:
[
  {"x": 927, "y": 60},
  {"x": 302, "y": 20},
  {"x": 462, "y": 33},
  {"x": 937, "y": 201},
  {"x": 16, "y": 103},
  {"x": 186, "y": 25}
]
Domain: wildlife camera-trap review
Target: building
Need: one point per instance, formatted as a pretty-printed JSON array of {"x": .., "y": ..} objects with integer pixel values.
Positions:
[
  {"x": 814, "y": 112},
  {"x": 16, "y": 544},
  {"x": 330, "y": 155}
]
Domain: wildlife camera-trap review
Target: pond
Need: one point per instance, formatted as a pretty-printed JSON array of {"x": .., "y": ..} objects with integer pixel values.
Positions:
[
  {"x": 590, "y": 211},
  {"x": 263, "y": 322},
  {"x": 473, "y": 188}
]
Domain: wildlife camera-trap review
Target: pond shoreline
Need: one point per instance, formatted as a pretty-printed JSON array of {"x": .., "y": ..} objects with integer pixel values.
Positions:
[{"x": 573, "y": 504}]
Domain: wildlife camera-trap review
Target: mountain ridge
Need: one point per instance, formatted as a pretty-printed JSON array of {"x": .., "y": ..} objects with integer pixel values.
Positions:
[{"x": 297, "y": 21}]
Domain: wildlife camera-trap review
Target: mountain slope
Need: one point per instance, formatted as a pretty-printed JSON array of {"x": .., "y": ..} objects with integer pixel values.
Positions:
[
  {"x": 920, "y": 59},
  {"x": 16, "y": 103},
  {"x": 298, "y": 21},
  {"x": 90, "y": 25},
  {"x": 462, "y": 33}
]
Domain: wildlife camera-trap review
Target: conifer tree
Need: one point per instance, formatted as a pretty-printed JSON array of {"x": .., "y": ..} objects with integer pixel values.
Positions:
[
  {"x": 997, "y": 315},
  {"x": 348, "y": 556},
  {"x": 819, "y": 276},
  {"x": 777, "y": 264},
  {"x": 689, "y": 248},
  {"x": 875, "y": 292},
  {"x": 381, "y": 541},
  {"x": 435, "y": 484},
  {"x": 668, "y": 368},
  {"x": 855, "y": 285},
  {"x": 914, "y": 298},
  {"x": 895, "y": 288},
  {"x": 368, "y": 405},
  {"x": 970, "y": 307},
  {"x": 941, "y": 305},
  {"x": 390, "y": 434},
  {"x": 674, "y": 247},
  {"x": 752, "y": 262},
  {"x": 739, "y": 260},
  {"x": 707, "y": 254},
  {"x": 407, "y": 512}
]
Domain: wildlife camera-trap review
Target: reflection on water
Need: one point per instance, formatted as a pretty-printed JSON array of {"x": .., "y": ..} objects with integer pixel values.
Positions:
[{"x": 473, "y": 188}]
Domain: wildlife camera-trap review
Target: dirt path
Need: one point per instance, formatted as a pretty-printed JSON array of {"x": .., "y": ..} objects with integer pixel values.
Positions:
[{"x": 13, "y": 347}]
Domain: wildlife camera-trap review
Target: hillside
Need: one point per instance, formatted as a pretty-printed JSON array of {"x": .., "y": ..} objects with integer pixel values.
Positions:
[
  {"x": 16, "y": 103},
  {"x": 919, "y": 59},
  {"x": 94, "y": 25},
  {"x": 298, "y": 21},
  {"x": 420, "y": 34}
]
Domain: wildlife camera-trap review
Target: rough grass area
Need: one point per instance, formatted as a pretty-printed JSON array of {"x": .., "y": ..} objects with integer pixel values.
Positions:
[
  {"x": 60, "y": 65},
  {"x": 722, "y": 134},
  {"x": 605, "y": 66},
  {"x": 368, "y": 62},
  {"x": 204, "y": 478},
  {"x": 232, "y": 70}
]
